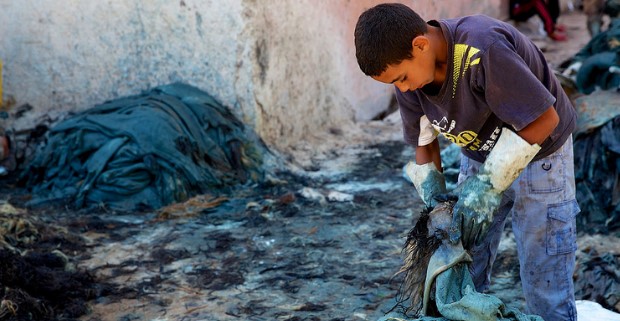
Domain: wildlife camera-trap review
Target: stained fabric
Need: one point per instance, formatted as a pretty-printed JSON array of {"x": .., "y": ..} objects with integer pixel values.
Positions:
[
  {"x": 438, "y": 284},
  {"x": 595, "y": 72},
  {"x": 612, "y": 8},
  {"x": 597, "y": 56},
  {"x": 145, "y": 151},
  {"x": 600, "y": 42},
  {"x": 597, "y": 163},
  {"x": 598, "y": 279},
  {"x": 595, "y": 110},
  {"x": 456, "y": 299}
]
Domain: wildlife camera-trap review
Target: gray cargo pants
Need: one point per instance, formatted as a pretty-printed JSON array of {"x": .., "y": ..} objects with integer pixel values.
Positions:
[{"x": 543, "y": 207}]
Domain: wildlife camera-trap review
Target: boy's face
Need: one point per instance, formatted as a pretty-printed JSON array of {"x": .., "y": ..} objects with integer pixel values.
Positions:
[{"x": 413, "y": 73}]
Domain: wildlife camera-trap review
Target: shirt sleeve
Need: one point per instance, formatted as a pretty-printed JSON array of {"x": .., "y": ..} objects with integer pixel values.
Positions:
[
  {"x": 417, "y": 129},
  {"x": 513, "y": 84},
  {"x": 427, "y": 132}
]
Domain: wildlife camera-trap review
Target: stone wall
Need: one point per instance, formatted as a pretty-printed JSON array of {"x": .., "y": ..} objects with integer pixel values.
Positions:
[{"x": 285, "y": 67}]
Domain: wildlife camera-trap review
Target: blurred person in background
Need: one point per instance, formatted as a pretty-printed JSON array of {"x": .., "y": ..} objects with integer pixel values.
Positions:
[{"x": 547, "y": 10}]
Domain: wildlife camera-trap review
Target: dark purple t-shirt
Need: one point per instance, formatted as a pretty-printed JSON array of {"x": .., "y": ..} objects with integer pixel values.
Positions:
[{"x": 496, "y": 77}]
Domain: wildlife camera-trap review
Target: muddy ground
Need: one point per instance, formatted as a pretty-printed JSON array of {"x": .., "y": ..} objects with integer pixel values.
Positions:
[{"x": 320, "y": 240}]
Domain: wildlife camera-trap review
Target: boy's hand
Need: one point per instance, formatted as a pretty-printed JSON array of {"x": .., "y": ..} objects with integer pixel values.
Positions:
[
  {"x": 428, "y": 181},
  {"x": 479, "y": 195},
  {"x": 473, "y": 212}
]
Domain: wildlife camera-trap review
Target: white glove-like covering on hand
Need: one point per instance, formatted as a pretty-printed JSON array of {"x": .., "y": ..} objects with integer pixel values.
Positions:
[
  {"x": 428, "y": 181},
  {"x": 480, "y": 195}
]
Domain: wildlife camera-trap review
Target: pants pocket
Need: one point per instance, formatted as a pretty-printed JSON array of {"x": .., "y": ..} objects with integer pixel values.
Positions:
[
  {"x": 561, "y": 227},
  {"x": 546, "y": 175}
]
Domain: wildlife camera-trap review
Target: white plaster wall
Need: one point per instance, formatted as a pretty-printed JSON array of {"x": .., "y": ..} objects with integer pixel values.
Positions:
[
  {"x": 69, "y": 54},
  {"x": 286, "y": 67}
]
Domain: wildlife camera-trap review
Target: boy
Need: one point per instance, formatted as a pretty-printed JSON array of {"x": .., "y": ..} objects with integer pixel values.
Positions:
[{"x": 487, "y": 88}]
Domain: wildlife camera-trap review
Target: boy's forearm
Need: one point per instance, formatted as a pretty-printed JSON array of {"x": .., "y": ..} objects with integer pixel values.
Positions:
[
  {"x": 537, "y": 131},
  {"x": 429, "y": 153}
]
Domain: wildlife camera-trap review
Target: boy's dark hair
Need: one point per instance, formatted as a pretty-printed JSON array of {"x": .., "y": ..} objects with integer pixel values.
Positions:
[{"x": 383, "y": 36}]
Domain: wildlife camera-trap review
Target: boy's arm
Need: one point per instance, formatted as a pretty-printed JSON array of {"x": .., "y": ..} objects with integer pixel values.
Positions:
[
  {"x": 480, "y": 195},
  {"x": 537, "y": 131},
  {"x": 429, "y": 153}
]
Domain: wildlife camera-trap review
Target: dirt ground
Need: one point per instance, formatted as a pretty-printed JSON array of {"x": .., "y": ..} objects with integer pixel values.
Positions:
[
  {"x": 319, "y": 241},
  {"x": 559, "y": 51}
]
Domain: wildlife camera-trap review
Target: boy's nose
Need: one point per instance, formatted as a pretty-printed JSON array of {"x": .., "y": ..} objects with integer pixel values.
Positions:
[{"x": 402, "y": 87}]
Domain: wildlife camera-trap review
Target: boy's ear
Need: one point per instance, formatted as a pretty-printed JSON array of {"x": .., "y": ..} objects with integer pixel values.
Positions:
[{"x": 420, "y": 43}]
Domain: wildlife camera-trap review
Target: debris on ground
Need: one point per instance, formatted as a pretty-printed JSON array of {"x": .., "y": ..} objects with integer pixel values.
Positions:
[{"x": 38, "y": 280}]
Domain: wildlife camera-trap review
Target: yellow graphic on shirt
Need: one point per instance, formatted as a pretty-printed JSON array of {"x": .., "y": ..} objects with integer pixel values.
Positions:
[
  {"x": 464, "y": 138},
  {"x": 462, "y": 65}
]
